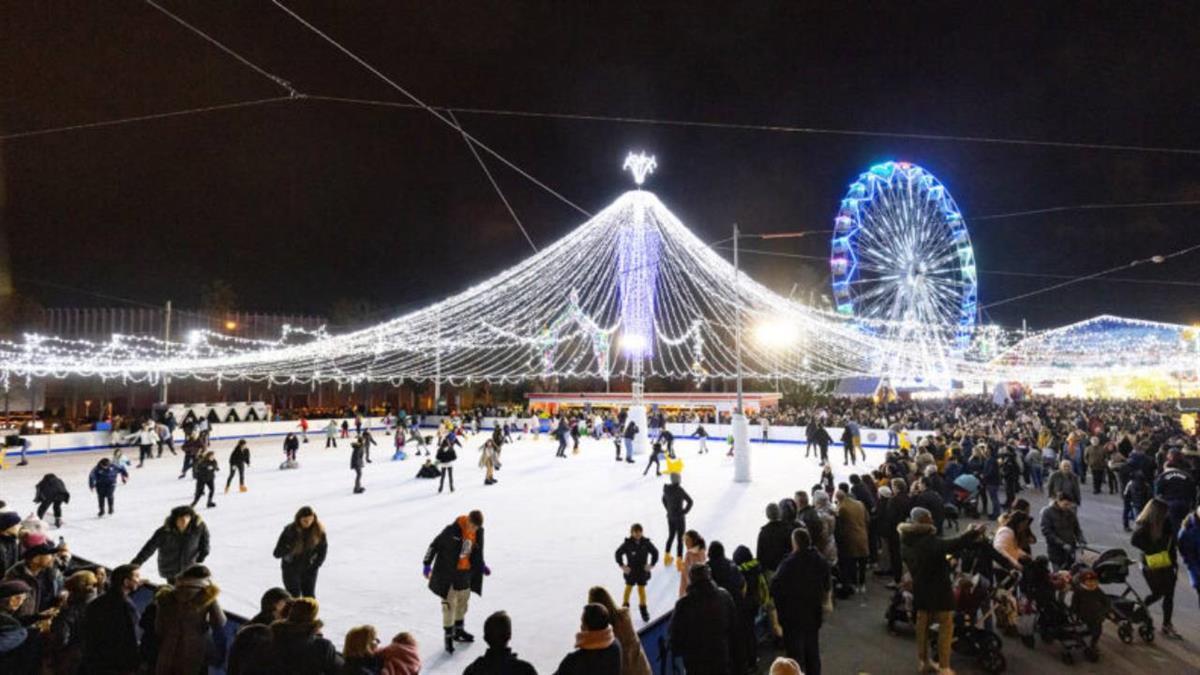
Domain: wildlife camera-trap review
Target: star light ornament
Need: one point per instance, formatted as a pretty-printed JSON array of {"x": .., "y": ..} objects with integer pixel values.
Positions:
[{"x": 640, "y": 165}]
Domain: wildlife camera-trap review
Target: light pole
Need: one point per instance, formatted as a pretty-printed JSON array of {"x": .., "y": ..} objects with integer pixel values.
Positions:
[{"x": 741, "y": 430}]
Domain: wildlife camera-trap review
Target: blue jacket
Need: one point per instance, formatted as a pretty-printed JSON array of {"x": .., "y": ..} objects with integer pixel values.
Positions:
[
  {"x": 106, "y": 477},
  {"x": 1189, "y": 547}
]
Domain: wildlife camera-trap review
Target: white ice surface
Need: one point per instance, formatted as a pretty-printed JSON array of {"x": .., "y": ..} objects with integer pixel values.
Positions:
[{"x": 552, "y": 527}]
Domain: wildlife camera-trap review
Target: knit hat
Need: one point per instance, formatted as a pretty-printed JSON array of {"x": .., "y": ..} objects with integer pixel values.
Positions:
[
  {"x": 14, "y": 587},
  {"x": 303, "y": 610},
  {"x": 32, "y": 539},
  {"x": 9, "y": 519},
  {"x": 885, "y": 491},
  {"x": 41, "y": 549}
]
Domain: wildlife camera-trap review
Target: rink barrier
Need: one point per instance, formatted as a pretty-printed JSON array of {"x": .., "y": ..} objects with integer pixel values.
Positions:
[
  {"x": 90, "y": 441},
  {"x": 656, "y": 643}
]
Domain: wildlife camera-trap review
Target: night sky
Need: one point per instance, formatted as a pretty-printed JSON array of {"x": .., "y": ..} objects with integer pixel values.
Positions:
[{"x": 301, "y": 203}]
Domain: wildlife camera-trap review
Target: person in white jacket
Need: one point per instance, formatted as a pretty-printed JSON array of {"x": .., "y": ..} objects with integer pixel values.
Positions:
[{"x": 146, "y": 438}]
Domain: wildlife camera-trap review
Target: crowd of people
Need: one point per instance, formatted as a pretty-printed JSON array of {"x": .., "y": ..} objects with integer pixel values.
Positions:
[{"x": 763, "y": 592}]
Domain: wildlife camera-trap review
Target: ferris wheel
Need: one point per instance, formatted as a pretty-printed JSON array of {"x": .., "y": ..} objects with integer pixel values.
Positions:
[{"x": 901, "y": 261}]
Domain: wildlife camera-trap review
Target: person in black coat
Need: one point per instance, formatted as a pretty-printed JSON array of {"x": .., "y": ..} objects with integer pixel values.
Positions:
[
  {"x": 291, "y": 445},
  {"x": 239, "y": 459},
  {"x": 454, "y": 566},
  {"x": 799, "y": 590},
  {"x": 181, "y": 542},
  {"x": 704, "y": 626},
  {"x": 774, "y": 540},
  {"x": 678, "y": 503},
  {"x": 445, "y": 457},
  {"x": 636, "y": 557},
  {"x": 357, "y": 452},
  {"x": 110, "y": 645},
  {"x": 205, "y": 473},
  {"x": 51, "y": 492},
  {"x": 367, "y": 440},
  {"x": 898, "y": 508},
  {"x": 727, "y": 576},
  {"x": 297, "y": 646},
  {"x": 301, "y": 550}
]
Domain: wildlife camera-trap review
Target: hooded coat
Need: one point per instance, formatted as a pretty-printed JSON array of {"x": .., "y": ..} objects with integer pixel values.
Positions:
[
  {"x": 639, "y": 555},
  {"x": 299, "y": 649},
  {"x": 176, "y": 550},
  {"x": 704, "y": 627},
  {"x": 51, "y": 489},
  {"x": 185, "y": 615}
]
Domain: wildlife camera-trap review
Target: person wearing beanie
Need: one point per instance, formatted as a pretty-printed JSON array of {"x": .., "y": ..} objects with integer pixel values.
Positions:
[
  {"x": 20, "y": 647},
  {"x": 181, "y": 542},
  {"x": 636, "y": 557},
  {"x": 10, "y": 547},
  {"x": 704, "y": 626},
  {"x": 297, "y": 646},
  {"x": 596, "y": 649},
  {"x": 186, "y": 612},
  {"x": 678, "y": 503},
  {"x": 454, "y": 566},
  {"x": 499, "y": 659}
]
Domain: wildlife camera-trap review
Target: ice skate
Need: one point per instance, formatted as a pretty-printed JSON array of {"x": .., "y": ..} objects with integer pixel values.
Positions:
[
  {"x": 461, "y": 635},
  {"x": 679, "y": 564},
  {"x": 667, "y": 560},
  {"x": 243, "y": 488},
  {"x": 645, "y": 612},
  {"x": 226, "y": 489},
  {"x": 449, "y": 640}
]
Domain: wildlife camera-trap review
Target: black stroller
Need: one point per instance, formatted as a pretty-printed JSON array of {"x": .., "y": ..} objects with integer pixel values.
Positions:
[
  {"x": 1055, "y": 621},
  {"x": 1127, "y": 609}
]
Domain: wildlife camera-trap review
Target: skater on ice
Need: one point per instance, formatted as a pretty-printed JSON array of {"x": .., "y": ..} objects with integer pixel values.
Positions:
[
  {"x": 51, "y": 492},
  {"x": 445, "y": 460},
  {"x": 357, "y": 452},
  {"x": 301, "y": 550},
  {"x": 239, "y": 460},
  {"x": 103, "y": 481},
  {"x": 331, "y": 434},
  {"x": 636, "y": 557},
  {"x": 455, "y": 567},
  {"x": 205, "y": 473},
  {"x": 656, "y": 453},
  {"x": 291, "y": 445},
  {"x": 181, "y": 542},
  {"x": 678, "y": 503},
  {"x": 367, "y": 440},
  {"x": 488, "y": 456}
]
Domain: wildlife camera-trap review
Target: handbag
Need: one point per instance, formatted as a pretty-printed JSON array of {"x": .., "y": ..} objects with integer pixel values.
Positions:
[{"x": 1158, "y": 561}]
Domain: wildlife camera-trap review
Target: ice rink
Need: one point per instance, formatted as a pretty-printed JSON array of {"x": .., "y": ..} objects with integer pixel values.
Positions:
[{"x": 552, "y": 527}]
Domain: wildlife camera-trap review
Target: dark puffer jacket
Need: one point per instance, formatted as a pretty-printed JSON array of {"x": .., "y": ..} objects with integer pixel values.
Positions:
[
  {"x": 638, "y": 555},
  {"x": 442, "y": 556},
  {"x": 703, "y": 628},
  {"x": 176, "y": 550},
  {"x": 299, "y": 649}
]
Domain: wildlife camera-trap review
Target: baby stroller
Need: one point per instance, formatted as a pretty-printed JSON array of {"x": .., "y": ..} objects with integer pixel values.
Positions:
[
  {"x": 900, "y": 607},
  {"x": 1055, "y": 621},
  {"x": 1127, "y": 609},
  {"x": 973, "y": 597},
  {"x": 966, "y": 492}
]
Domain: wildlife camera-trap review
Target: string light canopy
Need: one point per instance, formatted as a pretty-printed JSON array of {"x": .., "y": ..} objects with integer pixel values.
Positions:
[{"x": 631, "y": 293}]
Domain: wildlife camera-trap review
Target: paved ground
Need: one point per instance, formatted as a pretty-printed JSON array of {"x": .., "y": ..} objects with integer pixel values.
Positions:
[{"x": 856, "y": 640}]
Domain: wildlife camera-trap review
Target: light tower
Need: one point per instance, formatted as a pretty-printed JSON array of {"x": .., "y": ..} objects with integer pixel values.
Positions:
[{"x": 637, "y": 275}]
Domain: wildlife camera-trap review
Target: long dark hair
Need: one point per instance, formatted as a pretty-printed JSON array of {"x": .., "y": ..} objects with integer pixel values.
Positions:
[{"x": 310, "y": 538}]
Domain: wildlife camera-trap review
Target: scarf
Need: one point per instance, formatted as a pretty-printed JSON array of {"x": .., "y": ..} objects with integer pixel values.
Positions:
[
  {"x": 594, "y": 639},
  {"x": 468, "y": 535}
]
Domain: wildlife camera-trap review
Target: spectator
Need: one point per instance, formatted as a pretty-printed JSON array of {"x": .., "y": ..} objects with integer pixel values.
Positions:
[
  {"x": 45, "y": 582},
  {"x": 1008, "y": 542},
  {"x": 301, "y": 549},
  {"x": 1189, "y": 548},
  {"x": 695, "y": 553},
  {"x": 851, "y": 535},
  {"x": 10, "y": 547},
  {"x": 66, "y": 629},
  {"x": 297, "y": 646},
  {"x": 498, "y": 659},
  {"x": 185, "y": 614},
  {"x": 1060, "y": 528},
  {"x": 801, "y": 591},
  {"x": 401, "y": 656},
  {"x": 727, "y": 576},
  {"x": 703, "y": 627},
  {"x": 110, "y": 644},
  {"x": 898, "y": 509},
  {"x": 20, "y": 647},
  {"x": 758, "y": 598},
  {"x": 633, "y": 659},
  {"x": 933, "y": 595},
  {"x": 1064, "y": 482},
  {"x": 785, "y": 666},
  {"x": 596, "y": 649},
  {"x": 181, "y": 542},
  {"x": 250, "y": 652},
  {"x": 358, "y": 651},
  {"x": 828, "y": 542},
  {"x": 774, "y": 541},
  {"x": 1176, "y": 487},
  {"x": 1154, "y": 536},
  {"x": 931, "y": 501}
]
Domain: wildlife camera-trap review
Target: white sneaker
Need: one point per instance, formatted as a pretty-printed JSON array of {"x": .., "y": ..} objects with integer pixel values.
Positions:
[{"x": 926, "y": 666}]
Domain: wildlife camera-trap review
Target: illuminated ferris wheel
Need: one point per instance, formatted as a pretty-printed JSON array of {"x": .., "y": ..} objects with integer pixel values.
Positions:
[{"x": 901, "y": 262}]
